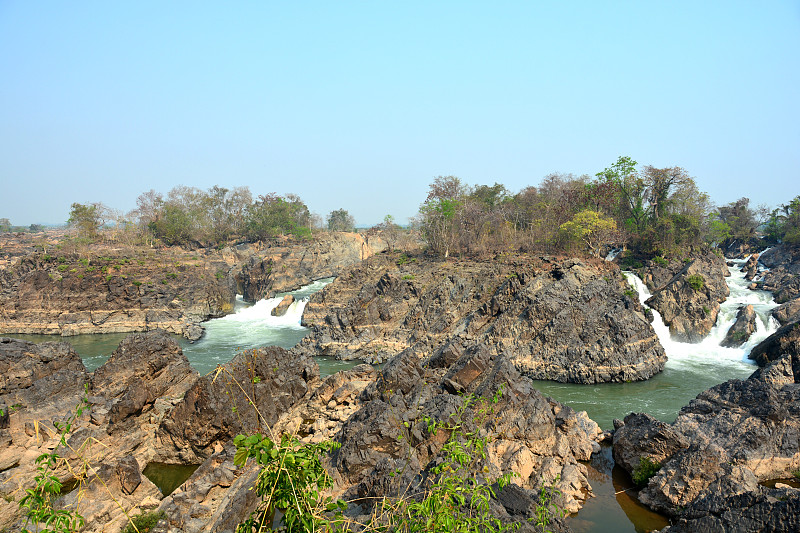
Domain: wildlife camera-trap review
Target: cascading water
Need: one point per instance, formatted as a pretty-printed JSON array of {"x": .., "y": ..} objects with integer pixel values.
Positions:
[
  {"x": 709, "y": 352},
  {"x": 690, "y": 369},
  {"x": 252, "y": 326}
]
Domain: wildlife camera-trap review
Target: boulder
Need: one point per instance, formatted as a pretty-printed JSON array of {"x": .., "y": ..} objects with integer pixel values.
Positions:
[
  {"x": 247, "y": 394},
  {"x": 750, "y": 267},
  {"x": 741, "y": 330},
  {"x": 689, "y": 301},
  {"x": 739, "y": 433},
  {"x": 784, "y": 341},
  {"x": 787, "y": 312},
  {"x": 783, "y": 277},
  {"x": 283, "y": 306}
]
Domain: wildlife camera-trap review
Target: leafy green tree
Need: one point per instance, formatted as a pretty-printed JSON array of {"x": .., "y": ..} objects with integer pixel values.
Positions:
[
  {"x": 438, "y": 215},
  {"x": 5, "y": 225},
  {"x": 274, "y": 215},
  {"x": 341, "y": 220},
  {"x": 740, "y": 219},
  {"x": 591, "y": 229},
  {"x": 632, "y": 191}
]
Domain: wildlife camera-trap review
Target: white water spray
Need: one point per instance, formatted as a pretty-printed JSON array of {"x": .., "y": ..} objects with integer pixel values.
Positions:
[{"x": 709, "y": 353}]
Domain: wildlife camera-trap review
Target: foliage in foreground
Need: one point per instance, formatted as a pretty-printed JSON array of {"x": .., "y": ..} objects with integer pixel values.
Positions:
[{"x": 292, "y": 483}]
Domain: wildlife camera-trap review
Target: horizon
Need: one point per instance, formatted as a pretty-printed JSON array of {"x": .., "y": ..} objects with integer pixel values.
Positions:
[{"x": 361, "y": 106}]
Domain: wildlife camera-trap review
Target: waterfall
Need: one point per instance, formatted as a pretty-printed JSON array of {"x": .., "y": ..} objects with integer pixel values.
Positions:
[{"x": 708, "y": 351}]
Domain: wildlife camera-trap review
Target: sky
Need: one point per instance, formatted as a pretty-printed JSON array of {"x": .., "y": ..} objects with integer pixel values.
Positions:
[{"x": 360, "y": 105}]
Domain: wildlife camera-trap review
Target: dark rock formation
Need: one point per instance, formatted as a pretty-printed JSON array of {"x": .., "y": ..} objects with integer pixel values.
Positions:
[
  {"x": 246, "y": 394},
  {"x": 741, "y": 330},
  {"x": 40, "y": 376},
  {"x": 739, "y": 249},
  {"x": 689, "y": 300},
  {"x": 740, "y": 433},
  {"x": 783, "y": 277},
  {"x": 787, "y": 312},
  {"x": 143, "y": 291},
  {"x": 539, "y": 439},
  {"x": 569, "y": 321},
  {"x": 750, "y": 267},
  {"x": 785, "y": 340},
  {"x": 642, "y": 436}
]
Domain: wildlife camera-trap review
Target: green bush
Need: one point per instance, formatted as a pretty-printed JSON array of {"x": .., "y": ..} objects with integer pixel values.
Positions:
[
  {"x": 696, "y": 281},
  {"x": 660, "y": 261},
  {"x": 647, "y": 468},
  {"x": 144, "y": 522}
]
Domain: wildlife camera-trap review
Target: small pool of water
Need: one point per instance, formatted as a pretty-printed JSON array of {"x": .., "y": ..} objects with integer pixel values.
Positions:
[
  {"x": 168, "y": 477},
  {"x": 614, "y": 507}
]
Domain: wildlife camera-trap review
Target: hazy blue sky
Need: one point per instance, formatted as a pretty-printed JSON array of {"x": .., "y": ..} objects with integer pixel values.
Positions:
[{"x": 361, "y": 104}]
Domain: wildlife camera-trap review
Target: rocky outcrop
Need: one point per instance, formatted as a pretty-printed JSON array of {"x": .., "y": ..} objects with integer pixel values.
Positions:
[
  {"x": 689, "y": 300},
  {"x": 742, "y": 328},
  {"x": 567, "y": 320},
  {"x": 540, "y": 440},
  {"x": 282, "y": 268},
  {"x": 282, "y": 307},
  {"x": 89, "y": 293},
  {"x": 750, "y": 267},
  {"x": 248, "y": 393},
  {"x": 783, "y": 277},
  {"x": 739, "y": 249},
  {"x": 112, "y": 439},
  {"x": 784, "y": 341},
  {"x": 738, "y": 433},
  {"x": 787, "y": 312}
]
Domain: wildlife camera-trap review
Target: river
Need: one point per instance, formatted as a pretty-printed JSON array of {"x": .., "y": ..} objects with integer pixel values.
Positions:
[{"x": 691, "y": 369}]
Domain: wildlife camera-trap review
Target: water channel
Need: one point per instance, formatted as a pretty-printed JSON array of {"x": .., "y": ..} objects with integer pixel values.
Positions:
[{"x": 691, "y": 369}]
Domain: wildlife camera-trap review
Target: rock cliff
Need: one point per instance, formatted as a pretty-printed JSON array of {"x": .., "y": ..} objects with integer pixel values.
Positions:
[
  {"x": 561, "y": 320},
  {"x": 688, "y": 294},
  {"x": 722, "y": 445}
]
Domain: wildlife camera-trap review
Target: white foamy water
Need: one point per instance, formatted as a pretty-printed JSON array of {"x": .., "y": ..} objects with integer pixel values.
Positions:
[{"x": 709, "y": 351}]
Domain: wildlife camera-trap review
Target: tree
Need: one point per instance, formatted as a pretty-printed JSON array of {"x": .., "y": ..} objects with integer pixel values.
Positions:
[
  {"x": 5, "y": 225},
  {"x": 341, "y": 220},
  {"x": 438, "y": 215},
  {"x": 86, "y": 219},
  {"x": 741, "y": 220},
  {"x": 660, "y": 183},
  {"x": 274, "y": 215},
  {"x": 590, "y": 228},
  {"x": 389, "y": 231},
  {"x": 632, "y": 191}
]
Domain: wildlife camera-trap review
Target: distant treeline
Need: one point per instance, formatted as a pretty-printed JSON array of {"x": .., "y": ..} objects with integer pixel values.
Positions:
[{"x": 650, "y": 211}]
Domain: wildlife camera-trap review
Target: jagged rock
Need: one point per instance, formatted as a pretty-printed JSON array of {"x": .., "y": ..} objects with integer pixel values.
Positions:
[
  {"x": 783, "y": 277},
  {"x": 740, "y": 433},
  {"x": 129, "y": 474},
  {"x": 38, "y": 376},
  {"x": 741, "y": 330},
  {"x": 787, "y": 312},
  {"x": 570, "y": 321},
  {"x": 750, "y": 267},
  {"x": 217, "y": 408},
  {"x": 784, "y": 341},
  {"x": 690, "y": 312},
  {"x": 539, "y": 439},
  {"x": 282, "y": 268},
  {"x": 642, "y": 436},
  {"x": 738, "y": 249},
  {"x": 283, "y": 306},
  {"x": 71, "y": 294},
  {"x": 193, "y": 332}
]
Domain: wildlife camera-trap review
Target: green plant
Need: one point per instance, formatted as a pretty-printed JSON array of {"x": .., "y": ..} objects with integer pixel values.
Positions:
[
  {"x": 796, "y": 474},
  {"x": 90, "y": 269},
  {"x": 291, "y": 480},
  {"x": 696, "y": 281},
  {"x": 38, "y": 501},
  {"x": 144, "y": 522},
  {"x": 647, "y": 468},
  {"x": 403, "y": 259},
  {"x": 660, "y": 261},
  {"x": 220, "y": 274},
  {"x": 136, "y": 282},
  {"x": 629, "y": 293},
  {"x": 408, "y": 277},
  {"x": 62, "y": 268},
  {"x": 84, "y": 262}
]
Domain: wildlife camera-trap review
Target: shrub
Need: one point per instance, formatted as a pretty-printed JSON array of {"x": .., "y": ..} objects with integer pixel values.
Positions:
[
  {"x": 660, "y": 261},
  {"x": 696, "y": 281},
  {"x": 144, "y": 522},
  {"x": 647, "y": 468}
]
